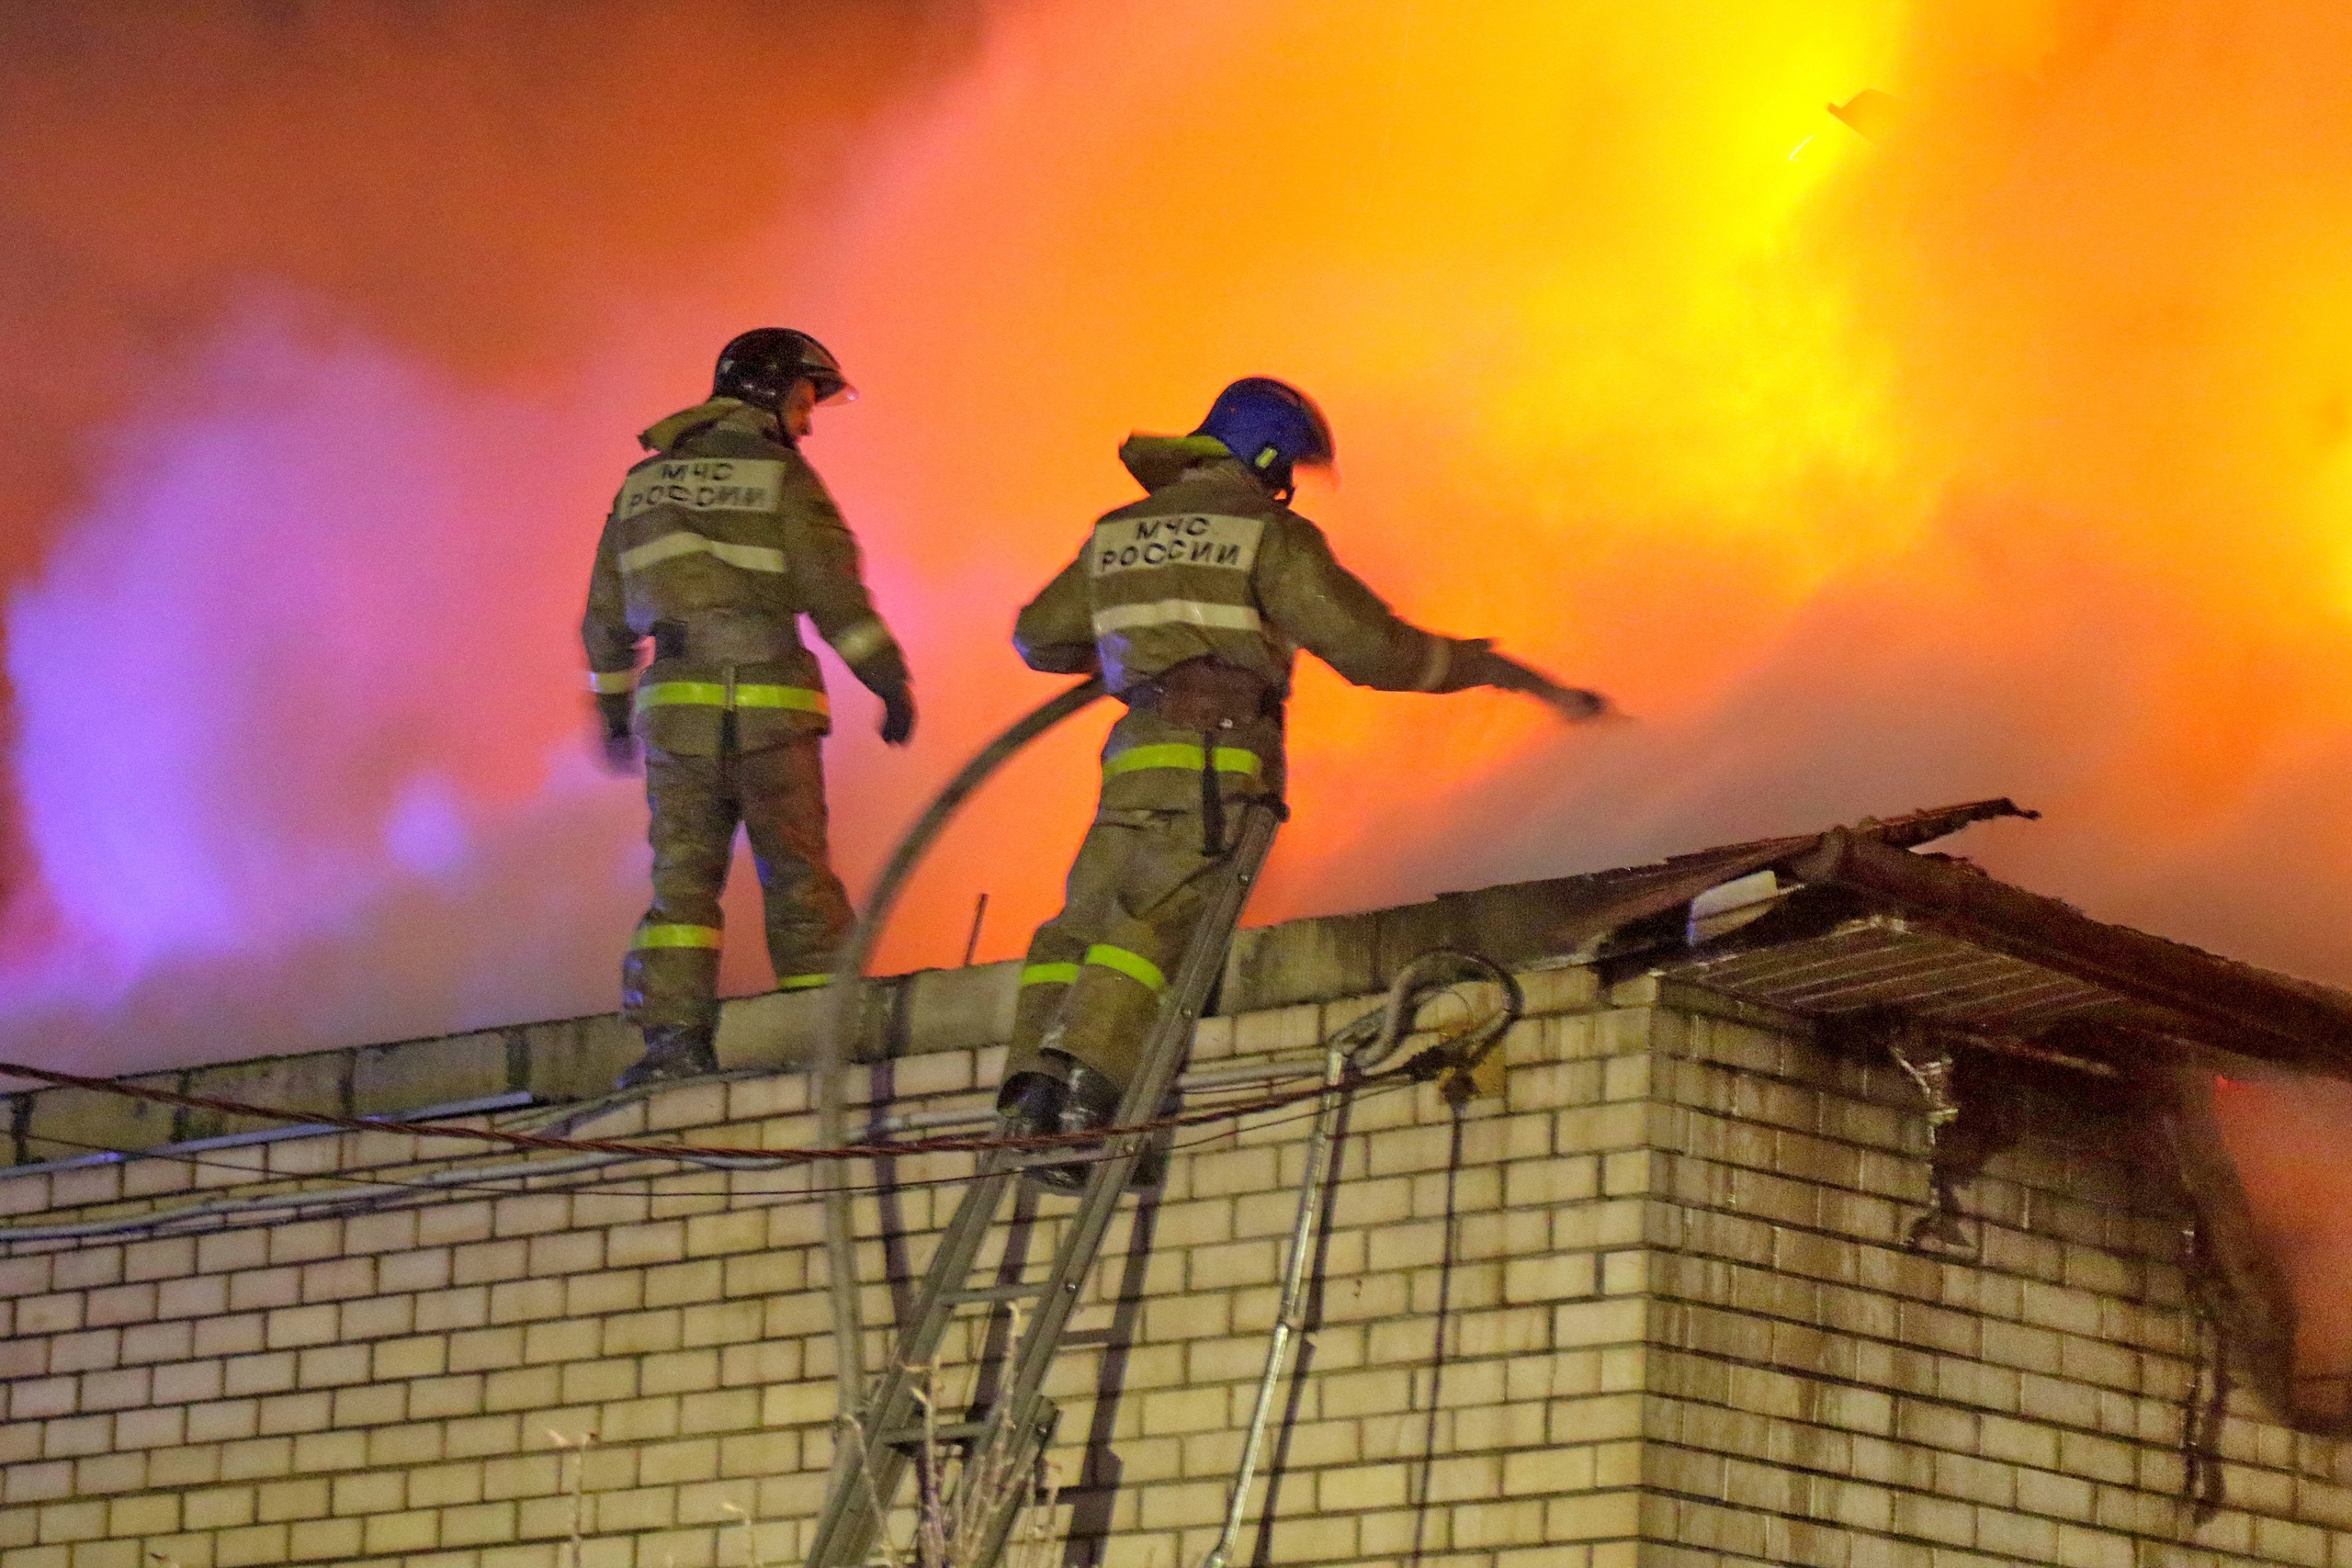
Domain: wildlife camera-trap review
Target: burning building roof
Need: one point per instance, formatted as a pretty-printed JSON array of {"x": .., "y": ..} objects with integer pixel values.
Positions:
[{"x": 1850, "y": 921}]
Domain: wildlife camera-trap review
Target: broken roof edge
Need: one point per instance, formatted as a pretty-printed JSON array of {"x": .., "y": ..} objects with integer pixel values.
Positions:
[
  {"x": 2229, "y": 1006},
  {"x": 2185, "y": 996},
  {"x": 1686, "y": 877},
  {"x": 1544, "y": 922}
]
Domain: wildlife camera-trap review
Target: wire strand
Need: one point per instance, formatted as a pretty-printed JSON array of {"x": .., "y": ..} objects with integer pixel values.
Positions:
[
  {"x": 950, "y": 1145},
  {"x": 560, "y": 1176}
]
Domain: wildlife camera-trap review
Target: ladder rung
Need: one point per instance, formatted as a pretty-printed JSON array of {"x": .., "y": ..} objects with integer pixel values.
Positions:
[
  {"x": 1048, "y": 1414},
  {"x": 1036, "y": 1159},
  {"x": 949, "y": 1432},
  {"x": 1013, "y": 1292}
]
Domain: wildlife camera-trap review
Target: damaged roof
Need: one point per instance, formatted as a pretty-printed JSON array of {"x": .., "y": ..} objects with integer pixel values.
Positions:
[{"x": 1846, "y": 922}]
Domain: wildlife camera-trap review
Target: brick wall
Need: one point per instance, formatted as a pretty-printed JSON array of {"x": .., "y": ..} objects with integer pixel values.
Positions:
[
  {"x": 1648, "y": 1305},
  {"x": 1819, "y": 1393}
]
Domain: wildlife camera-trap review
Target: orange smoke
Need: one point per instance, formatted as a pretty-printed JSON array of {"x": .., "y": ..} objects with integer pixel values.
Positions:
[
  {"x": 2011, "y": 453},
  {"x": 2287, "y": 1137},
  {"x": 2008, "y": 454}
]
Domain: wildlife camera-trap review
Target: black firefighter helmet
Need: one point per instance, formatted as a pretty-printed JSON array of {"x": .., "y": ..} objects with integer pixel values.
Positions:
[{"x": 760, "y": 366}]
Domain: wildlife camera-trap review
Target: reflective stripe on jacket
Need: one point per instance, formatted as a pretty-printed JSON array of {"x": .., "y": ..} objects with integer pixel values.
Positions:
[
  {"x": 725, "y": 523},
  {"x": 1209, "y": 566},
  {"x": 718, "y": 695}
]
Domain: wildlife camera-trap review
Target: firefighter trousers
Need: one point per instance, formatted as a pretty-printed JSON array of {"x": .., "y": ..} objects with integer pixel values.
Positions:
[
  {"x": 1091, "y": 984},
  {"x": 777, "y": 793}
]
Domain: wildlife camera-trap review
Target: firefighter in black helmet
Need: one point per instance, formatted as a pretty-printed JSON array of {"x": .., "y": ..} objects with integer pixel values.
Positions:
[{"x": 716, "y": 547}]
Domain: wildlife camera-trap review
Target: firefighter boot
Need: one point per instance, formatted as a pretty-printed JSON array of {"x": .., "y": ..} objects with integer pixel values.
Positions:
[
  {"x": 1030, "y": 1104},
  {"x": 1089, "y": 1101},
  {"x": 1065, "y": 1096},
  {"x": 672, "y": 1052},
  {"x": 1094, "y": 1100}
]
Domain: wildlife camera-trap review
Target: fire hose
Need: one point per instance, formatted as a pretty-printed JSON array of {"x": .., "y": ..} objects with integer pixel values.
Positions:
[{"x": 848, "y": 997}]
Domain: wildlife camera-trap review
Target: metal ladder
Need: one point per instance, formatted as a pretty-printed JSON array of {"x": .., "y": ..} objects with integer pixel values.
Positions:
[{"x": 1020, "y": 1419}]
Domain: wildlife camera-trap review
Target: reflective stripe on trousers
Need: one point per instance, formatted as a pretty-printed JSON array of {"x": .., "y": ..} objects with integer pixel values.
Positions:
[
  {"x": 697, "y": 804},
  {"x": 652, "y": 935},
  {"x": 1134, "y": 966},
  {"x": 1103, "y": 956},
  {"x": 1095, "y": 973}
]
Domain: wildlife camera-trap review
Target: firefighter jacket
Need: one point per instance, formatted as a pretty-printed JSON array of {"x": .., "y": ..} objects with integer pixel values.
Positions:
[
  {"x": 1210, "y": 567},
  {"x": 715, "y": 545}
]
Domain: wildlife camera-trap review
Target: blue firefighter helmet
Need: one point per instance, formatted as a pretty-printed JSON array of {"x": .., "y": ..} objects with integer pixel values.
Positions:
[
  {"x": 759, "y": 366},
  {"x": 1272, "y": 427}
]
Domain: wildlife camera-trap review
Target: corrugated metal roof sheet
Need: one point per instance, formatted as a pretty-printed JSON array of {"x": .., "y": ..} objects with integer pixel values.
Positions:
[
  {"x": 1854, "y": 921},
  {"x": 1879, "y": 962},
  {"x": 1849, "y": 921}
]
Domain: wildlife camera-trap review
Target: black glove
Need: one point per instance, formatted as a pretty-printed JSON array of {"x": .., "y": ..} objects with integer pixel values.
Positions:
[
  {"x": 898, "y": 715},
  {"x": 620, "y": 742},
  {"x": 884, "y": 674},
  {"x": 1474, "y": 663}
]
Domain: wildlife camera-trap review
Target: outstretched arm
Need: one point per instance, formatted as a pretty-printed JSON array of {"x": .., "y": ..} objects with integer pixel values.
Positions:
[
  {"x": 1476, "y": 663},
  {"x": 1328, "y": 609}
]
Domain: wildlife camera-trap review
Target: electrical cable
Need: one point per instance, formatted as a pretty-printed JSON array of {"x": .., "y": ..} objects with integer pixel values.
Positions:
[
  {"x": 252, "y": 1178},
  {"x": 266, "y": 1202},
  {"x": 1373, "y": 1035},
  {"x": 510, "y": 1139},
  {"x": 595, "y": 1169},
  {"x": 1211, "y": 1083},
  {"x": 732, "y": 1154},
  {"x": 596, "y": 1164}
]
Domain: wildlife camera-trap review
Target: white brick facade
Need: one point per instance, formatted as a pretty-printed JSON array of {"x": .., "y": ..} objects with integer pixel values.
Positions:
[{"x": 1679, "y": 1327}]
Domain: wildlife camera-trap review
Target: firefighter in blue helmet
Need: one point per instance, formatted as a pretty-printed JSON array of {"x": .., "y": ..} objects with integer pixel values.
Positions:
[
  {"x": 716, "y": 547},
  {"x": 1192, "y": 604}
]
